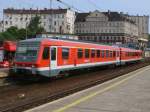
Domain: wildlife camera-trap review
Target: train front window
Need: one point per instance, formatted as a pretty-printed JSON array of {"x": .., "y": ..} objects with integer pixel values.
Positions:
[{"x": 28, "y": 54}]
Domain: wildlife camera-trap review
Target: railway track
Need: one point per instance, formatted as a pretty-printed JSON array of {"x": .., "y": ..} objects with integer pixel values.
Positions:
[{"x": 23, "y": 97}]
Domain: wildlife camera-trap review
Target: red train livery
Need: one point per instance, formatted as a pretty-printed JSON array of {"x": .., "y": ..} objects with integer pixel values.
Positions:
[
  {"x": 51, "y": 57},
  {"x": 7, "y": 52}
]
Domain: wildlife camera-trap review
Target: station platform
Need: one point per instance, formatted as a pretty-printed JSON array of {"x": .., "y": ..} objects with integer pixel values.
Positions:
[
  {"x": 128, "y": 93},
  {"x": 4, "y": 72}
]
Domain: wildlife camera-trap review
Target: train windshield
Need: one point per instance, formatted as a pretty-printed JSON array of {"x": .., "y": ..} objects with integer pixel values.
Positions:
[{"x": 27, "y": 52}]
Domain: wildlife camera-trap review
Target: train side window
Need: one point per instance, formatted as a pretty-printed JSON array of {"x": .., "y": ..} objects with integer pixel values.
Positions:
[
  {"x": 92, "y": 53},
  {"x": 86, "y": 53},
  {"x": 103, "y": 54},
  {"x": 98, "y": 53},
  {"x": 111, "y": 54},
  {"x": 114, "y": 53},
  {"x": 65, "y": 53},
  {"x": 45, "y": 53},
  {"x": 80, "y": 53},
  {"x": 117, "y": 53},
  {"x": 107, "y": 53}
]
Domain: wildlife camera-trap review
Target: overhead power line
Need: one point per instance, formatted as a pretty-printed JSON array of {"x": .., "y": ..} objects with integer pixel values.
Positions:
[
  {"x": 71, "y": 7},
  {"x": 94, "y": 4}
]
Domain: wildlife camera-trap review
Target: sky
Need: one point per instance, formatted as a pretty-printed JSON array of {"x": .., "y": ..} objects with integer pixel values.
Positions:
[{"x": 133, "y": 7}]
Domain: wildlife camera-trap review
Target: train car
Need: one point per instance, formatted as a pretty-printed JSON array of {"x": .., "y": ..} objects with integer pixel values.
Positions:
[
  {"x": 52, "y": 57},
  {"x": 130, "y": 55},
  {"x": 7, "y": 52}
]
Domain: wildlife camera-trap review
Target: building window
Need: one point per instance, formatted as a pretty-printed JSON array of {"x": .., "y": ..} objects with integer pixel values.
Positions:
[
  {"x": 62, "y": 16},
  {"x": 10, "y": 22},
  {"x": 21, "y": 19},
  {"x": 80, "y": 53},
  {"x": 65, "y": 53},
  {"x": 55, "y": 23},
  {"x": 6, "y": 22}
]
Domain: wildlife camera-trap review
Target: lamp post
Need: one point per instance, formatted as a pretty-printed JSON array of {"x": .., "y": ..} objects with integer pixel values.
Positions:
[{"x": 26, "y": 30}]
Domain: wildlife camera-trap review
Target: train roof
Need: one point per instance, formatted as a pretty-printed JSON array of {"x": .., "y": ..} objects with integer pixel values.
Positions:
[
  {"x": 67, "y": 42},
  {"x": 130, "y": 49},
  {"x": 71, "y": 43}
]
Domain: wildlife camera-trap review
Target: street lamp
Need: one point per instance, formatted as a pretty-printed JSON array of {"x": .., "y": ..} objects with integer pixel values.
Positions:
[{"x": 26, "y": 30}]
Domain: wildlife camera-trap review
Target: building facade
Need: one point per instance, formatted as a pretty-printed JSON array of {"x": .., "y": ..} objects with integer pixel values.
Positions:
[
  {"x": 52, "y": 20},
  {"x": 143, "y": 25},
  {"x": 1, "y": 25},
  {"x": 106, "y": 27}
]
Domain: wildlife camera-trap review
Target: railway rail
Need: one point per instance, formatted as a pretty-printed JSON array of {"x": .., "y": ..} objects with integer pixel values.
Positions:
[{"x": 22, "y": 97}]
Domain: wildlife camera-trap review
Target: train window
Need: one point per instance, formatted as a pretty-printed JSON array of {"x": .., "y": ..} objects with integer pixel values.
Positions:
[
  {"x": 53, "y": 53},
  {"x": 114, "y": 53},
  {"x": 86, "y": 53},
  {"x": 126, "y": 53},
  {"x": 98, "y": 53},
  {"x": 107, "y": 53},
  {"x": 80, "y": 53},
  {"x": 111, "y": 54},
  {"x": 117, "y": 53},
  {"x": 65, "y": 53},
  {"x": 45, "y": 53},
  {"x": 92, "y": 53},
  {"x": 103, "y": 54}
]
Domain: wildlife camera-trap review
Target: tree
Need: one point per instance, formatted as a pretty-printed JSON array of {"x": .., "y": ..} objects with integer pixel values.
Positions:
[
  {"x": 34, "y": 26},
  {"x": 10, "y": 34},
  {"x": 21, "y": 34},
  {"x": 13, "y": 33}
]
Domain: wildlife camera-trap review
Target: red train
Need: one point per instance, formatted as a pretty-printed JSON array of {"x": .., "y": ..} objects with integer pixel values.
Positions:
[
  {"x": 51, "y": 57},
  {"x": 7, "y": 53}
]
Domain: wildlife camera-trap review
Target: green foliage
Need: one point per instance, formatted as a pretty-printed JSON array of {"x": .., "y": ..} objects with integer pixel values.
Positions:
[
  {"x": 34, "y": 26},
  {"x": 13, "y": 33}
]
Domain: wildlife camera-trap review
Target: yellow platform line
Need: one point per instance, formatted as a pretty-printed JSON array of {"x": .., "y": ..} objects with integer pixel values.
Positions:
[{"x": 83, "y": 99}]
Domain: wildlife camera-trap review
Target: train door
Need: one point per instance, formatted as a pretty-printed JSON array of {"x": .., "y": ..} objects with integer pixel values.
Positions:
[{"x": 53, "y": 57}]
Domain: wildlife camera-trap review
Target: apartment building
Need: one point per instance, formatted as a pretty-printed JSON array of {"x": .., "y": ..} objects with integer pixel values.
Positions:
[
  {"x": 106, "y": 27},
  {"x": 52, "y": 20}
]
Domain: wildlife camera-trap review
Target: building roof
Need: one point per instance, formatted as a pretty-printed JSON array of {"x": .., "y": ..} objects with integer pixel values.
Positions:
[
  {"x": 80, "y": 17},
  {"x": 112, "y": 16},
  {"x": 35, "y": 11}
]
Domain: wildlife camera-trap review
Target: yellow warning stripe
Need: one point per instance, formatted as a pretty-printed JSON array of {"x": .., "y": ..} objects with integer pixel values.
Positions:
[{"x": 83, "y": 99}]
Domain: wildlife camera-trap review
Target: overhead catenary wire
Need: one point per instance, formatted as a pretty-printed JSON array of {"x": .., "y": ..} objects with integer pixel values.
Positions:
[
  {"x": 94, "y": 4},
  {"x": 69, "y": 6}
]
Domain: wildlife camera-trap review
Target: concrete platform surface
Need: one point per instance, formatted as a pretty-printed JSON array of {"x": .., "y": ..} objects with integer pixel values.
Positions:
[
  {"x": 3, "y": 72},
  {"x": 128, "y": 93}
]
